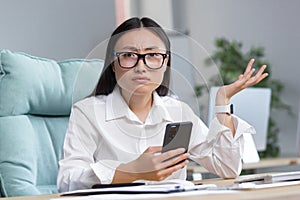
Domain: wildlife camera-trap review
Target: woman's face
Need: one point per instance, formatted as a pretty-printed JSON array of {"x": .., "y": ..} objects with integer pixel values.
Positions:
[{"x": 139, "y": 79}]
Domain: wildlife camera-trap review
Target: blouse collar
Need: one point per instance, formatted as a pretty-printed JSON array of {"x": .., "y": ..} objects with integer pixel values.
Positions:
[{"x": 117, "y": 108}]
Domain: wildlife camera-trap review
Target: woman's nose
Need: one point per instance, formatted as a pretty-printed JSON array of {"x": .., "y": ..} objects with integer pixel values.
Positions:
[{"x": 141, "y": 65}]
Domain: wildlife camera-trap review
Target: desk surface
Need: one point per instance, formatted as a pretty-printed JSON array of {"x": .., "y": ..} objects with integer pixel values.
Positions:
[{"x": 278, "y": 193}]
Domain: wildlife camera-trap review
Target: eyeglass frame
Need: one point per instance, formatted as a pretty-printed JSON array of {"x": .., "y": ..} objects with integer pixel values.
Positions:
[{"x": 143, "y": 56}]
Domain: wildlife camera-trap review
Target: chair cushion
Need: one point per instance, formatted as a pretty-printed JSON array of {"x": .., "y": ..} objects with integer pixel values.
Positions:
[
  {"x": 33, "y": 85},
  {"x": 2, "y": 190},
  {"x": 30, "y": 148}
]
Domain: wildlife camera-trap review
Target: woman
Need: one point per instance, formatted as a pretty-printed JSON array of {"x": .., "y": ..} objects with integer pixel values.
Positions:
[{"x": 116, "y": 135}]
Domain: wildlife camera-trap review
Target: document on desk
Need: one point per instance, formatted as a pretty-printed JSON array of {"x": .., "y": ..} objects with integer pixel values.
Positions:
[
  {"x": 154, "y": 191},
  {"x": 271, "y": 178},
  {"x": 195, "y": 193},
  {"x": 147, "y": 188}
]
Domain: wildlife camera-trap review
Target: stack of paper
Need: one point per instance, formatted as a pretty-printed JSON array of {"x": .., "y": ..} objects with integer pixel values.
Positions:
[
  {"x": 272, "y": 178},
  {"x": 268, "y": 181}
]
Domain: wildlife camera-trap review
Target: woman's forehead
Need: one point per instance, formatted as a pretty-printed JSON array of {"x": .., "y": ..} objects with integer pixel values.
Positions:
[{"x": 139, "y": 39}]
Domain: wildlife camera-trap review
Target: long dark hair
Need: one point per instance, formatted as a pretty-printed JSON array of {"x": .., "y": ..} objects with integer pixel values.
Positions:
[{"x": 107, "y": 79}]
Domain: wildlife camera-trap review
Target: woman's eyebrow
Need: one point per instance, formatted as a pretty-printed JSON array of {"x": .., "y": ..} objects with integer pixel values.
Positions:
[
  {"x": 152, "y": 48},
  {"x": 129, "y": 48}
]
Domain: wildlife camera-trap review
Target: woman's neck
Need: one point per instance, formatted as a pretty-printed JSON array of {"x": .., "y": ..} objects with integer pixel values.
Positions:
[{"x": 140, "y": 104}]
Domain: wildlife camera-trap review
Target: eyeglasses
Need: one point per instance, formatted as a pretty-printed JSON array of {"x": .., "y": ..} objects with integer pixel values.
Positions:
[{"x": 128, "y": 60}]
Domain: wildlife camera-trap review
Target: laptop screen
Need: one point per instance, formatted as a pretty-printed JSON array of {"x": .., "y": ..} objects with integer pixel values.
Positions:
[{"x": 298, "y": 133}]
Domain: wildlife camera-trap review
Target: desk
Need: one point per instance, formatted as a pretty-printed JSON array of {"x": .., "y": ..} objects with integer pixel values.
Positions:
[
  {"x": 263, "y": 163},
  {"x": 278, "y": 193}
]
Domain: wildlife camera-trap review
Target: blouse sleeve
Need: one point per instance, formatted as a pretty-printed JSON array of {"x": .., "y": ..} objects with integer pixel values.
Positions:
[
  {"x": 217, "y": 150},
  {"x": 77, "y": 168}
]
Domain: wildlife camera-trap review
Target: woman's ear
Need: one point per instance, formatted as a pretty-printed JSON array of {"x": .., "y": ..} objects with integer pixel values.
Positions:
[
  {"x": 113, "y": 67},
  {"x": 166, "y": 61},
  {"x": 165, "y": 64}
]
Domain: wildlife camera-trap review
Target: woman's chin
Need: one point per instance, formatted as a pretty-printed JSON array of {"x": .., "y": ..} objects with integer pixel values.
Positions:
[{"x": 144, "y": 89}]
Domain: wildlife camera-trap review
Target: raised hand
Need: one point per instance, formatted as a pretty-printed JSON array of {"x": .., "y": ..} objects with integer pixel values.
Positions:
[{"x": 244, "y": 80}]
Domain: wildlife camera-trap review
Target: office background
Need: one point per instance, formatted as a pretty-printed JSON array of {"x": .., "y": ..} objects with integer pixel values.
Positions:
[{"x": 62, "y": 29}]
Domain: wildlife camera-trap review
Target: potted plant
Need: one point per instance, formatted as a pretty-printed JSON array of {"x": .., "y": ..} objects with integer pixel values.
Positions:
[{"x": 231, "y": 61}]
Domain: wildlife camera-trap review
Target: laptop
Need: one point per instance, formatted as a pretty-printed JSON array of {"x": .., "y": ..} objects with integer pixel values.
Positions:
[{"x": 298, "y": 133}]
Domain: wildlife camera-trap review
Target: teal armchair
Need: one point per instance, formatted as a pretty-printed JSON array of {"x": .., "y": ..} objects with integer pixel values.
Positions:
[{"x": 36, "y": 95}]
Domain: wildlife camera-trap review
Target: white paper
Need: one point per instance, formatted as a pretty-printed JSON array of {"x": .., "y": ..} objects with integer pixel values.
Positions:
[
  {"x": 147, "y": 196},
  {"x": 249, "y": 186},
  {"x": 166, "y": 186}
]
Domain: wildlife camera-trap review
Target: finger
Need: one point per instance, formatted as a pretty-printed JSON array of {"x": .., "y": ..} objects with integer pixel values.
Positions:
[
  {"x": 179, "y": 159},
  {"x": 249, "y": 66},
  {"x": 258, "y": 77},
  {"x": 153, "y": 149},
  {"x": 245, "y": 78},
  {"x": 174, "y": 160},
  {"x": 249, "y": 75},
  {"x": 169, "y": 154},
  {"x": 240, "y": 76},
  {"x": 261, "y": 70},
  {"x": 170, "y": 170},
  {"x": 263, "y": 77}
]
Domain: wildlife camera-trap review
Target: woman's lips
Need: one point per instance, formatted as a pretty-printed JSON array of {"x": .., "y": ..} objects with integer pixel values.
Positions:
[{"x": 141, "y": 80}]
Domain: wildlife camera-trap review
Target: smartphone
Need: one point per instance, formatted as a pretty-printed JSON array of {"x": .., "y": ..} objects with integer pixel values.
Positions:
[{"x": 177, "y": 135}]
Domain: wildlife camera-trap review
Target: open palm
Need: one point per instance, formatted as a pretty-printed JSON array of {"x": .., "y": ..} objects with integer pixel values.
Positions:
[{"x": 244, "y": 80}]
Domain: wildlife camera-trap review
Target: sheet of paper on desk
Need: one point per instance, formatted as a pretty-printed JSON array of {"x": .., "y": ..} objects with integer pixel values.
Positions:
[
  {"x": 146, "y": 196},
  {"x": 168, "y": 186},
  {"x": 151, "y": 190},
  {"x": 145, "y": 189},
  {"x": 142, "y": 189}
]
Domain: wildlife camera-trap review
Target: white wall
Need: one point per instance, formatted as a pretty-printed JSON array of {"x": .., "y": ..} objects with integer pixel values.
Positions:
[
  {"x": 159, "y": 10},
  {"x": 273, "y": 24},
  {"x": 58, "y": 29}
]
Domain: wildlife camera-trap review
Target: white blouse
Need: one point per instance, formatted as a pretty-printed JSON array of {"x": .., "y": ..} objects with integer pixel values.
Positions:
[{"x": 103, "y": 133}]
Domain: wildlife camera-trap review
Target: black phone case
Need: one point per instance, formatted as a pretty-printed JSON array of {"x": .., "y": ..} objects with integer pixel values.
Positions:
[{"x": 177, "y": 135}]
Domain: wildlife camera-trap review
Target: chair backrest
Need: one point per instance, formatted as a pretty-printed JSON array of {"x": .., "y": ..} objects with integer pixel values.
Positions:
[{"x": 36, "y": 96}]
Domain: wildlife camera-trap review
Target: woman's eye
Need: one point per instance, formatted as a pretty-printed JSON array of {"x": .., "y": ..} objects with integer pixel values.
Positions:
[
  {"x": 152, "y": 54},
  {"x": 129, "y": 55}
]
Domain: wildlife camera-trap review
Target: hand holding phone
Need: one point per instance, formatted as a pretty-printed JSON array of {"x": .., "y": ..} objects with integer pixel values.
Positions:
[{"x": 177, "y": 135}]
